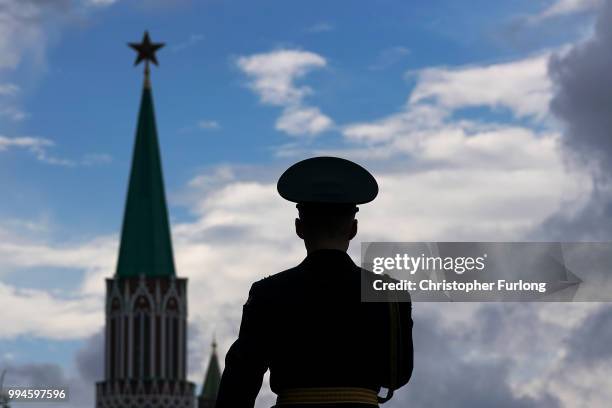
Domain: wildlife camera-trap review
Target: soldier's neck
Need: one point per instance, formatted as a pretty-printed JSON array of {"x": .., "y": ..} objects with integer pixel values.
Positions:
[{"x": 326, "y": 244}]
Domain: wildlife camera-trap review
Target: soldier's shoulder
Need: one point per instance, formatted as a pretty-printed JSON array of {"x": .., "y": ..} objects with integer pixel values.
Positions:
[
  {"x": 272, "y": 284},
  {"x": 371, "y": 276}
]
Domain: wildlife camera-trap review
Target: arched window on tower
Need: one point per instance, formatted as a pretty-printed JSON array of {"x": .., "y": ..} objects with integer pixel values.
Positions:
[
  {"x": 142, "y": 340},
  {"x": 172, "y": 337},
  {"x": 114, "y": 341}
]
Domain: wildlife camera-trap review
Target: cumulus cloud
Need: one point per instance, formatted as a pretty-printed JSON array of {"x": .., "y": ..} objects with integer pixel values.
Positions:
[
  {"x": 583, "y": 103},
  {"x": 303, "y": 120},
  {"x": 274, "y": 73},
  {"x": 581, "y": 100},
  {"x": 521, "y": 86},
  {"x": 273, "y": 77},
  {"x": 63, "y": 318},
  {"x": 436, "y": 152},
  {"x": 428, "y": 123},
  {"x": 76, "y": 313},
  {"x": 591, "y": 339},
  {"x": 469, "y": 370}
]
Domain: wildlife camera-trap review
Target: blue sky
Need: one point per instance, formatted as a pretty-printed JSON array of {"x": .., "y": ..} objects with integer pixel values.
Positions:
[
  {"x": 84, "y": 94},
  {"x": 447, "y": 103}
]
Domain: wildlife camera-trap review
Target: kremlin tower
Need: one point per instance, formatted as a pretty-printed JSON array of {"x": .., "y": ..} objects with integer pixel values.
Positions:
[{"x": 145, "y": 363}]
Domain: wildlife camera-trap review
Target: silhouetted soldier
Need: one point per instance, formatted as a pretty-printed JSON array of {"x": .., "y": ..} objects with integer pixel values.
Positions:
[{"x": 323, "y": 345}]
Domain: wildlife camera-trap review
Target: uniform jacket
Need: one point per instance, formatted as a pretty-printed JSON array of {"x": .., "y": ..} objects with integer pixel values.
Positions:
[{"x": 309, "y": 327}]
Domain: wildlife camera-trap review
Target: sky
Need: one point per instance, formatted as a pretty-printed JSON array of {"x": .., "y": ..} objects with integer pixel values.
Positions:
[{"x": 486, "y": 122}]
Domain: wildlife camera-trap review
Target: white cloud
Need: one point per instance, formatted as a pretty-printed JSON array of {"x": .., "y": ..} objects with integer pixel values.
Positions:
[
  {"x": 39, "y": 148},
  {"x": 93, "y": 256},
  {"x": 221, "y": 174},
  {"x": 394, "y": 126},
  {"x": 522, "y": 86},
  {"x": 462, "y": 181},
  {"x": 63, "y": 319},
  {"x": 32, "y": 143},
  {"x": 68, "y": 315},
  {"x": 303, "y": 120},
  {"x": 425, "y": 126},
  {"x": 274, "y": 73},
  {"x": 273, "y": 76}
]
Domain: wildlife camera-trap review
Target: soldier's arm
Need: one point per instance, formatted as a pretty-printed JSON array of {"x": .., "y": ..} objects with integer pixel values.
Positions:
[
  {"x": 247, "y": 359},
  {"x": 406, "y": 354}
]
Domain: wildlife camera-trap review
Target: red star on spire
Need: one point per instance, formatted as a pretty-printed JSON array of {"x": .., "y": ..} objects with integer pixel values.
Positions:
[{"x": 146, "y": 50}]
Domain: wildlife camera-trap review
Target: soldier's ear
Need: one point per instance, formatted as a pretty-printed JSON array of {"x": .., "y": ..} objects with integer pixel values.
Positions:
[
  {"x": 353, "y": 229},
  {"x": 299, "y": 228}
]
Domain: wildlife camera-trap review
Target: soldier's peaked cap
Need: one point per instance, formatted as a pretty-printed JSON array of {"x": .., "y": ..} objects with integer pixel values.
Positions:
[{"x": 327, "y": 180}]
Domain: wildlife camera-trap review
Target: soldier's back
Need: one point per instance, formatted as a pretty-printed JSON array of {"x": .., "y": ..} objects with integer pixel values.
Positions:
[{"x": 320, "y": 333}]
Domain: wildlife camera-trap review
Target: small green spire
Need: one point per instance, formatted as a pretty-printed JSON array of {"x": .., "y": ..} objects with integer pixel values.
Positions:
[
  {"x": 146, "y": 245},
  {"x": 212, "y": 379}
]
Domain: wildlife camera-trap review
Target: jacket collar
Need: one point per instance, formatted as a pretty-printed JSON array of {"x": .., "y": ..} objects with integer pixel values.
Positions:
[{"x": 328, "y": 257}]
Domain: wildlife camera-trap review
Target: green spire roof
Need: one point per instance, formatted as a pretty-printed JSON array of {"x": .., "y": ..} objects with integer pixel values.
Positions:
[
  {"x": 146, "y": 246},
  {"x": 212, "y": 378}
]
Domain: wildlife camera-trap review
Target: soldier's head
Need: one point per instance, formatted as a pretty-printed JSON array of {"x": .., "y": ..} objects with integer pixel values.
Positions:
[
  {"x": 326, "y": 225},
  {"x": 327, "y": 190}
]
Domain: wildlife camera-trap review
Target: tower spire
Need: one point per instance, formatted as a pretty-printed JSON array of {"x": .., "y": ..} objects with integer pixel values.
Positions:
[
  {"x": 212, "y": 379},
  {"x": 146, "y": 245}
]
